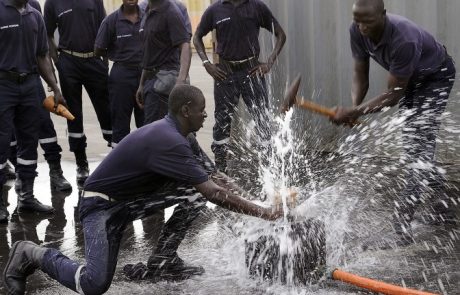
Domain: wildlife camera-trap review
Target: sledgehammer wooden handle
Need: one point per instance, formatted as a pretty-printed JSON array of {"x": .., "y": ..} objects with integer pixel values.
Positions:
[{"x": 314, "y": 107}]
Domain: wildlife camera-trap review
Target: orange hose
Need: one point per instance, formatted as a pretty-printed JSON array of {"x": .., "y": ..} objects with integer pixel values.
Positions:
[{"x": 373, "y": 285}]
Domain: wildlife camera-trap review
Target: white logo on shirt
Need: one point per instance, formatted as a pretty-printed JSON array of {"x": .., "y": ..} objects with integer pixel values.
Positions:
[
  {"x": 222, "y": 20},
  {"x": 9, "y": 26},
  {"x": 124, "y": 36},
  {"x": 64, "y": 12}
]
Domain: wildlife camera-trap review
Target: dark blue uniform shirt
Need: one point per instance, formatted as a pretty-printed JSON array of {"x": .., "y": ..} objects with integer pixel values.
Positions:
[
  {"x": 121, "y": 38},
  {"x": 183, "y": 10},
  {"x": 35, "y": 4},
  {"x": 77, "y": 21},
  {"x": 162, "y": 31},
  {"x": 145, "y": 160},
  {"x": 405, "y": 50},
  {"x": 22, "y": 38},
  {"x": 237, "y": 28}
]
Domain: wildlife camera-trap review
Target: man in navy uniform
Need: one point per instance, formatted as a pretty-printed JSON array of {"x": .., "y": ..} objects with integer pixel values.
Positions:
[
  {"x": 77, "y": 23},
  {"x": 239, "y": 72},
  {"x": 22, "y": 27},
  {"x": 118, "y": 39},
  {"x": 421, "y": 76},
  {"x": 167, "y": 56},
  {"x": 152, "y": 168},
  {"x": 47, "y": 139},
  {"x": 144, "y": 5}
]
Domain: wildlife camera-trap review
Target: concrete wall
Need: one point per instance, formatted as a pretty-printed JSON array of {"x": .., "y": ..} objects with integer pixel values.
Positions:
[{"x": 318, "y": 48}]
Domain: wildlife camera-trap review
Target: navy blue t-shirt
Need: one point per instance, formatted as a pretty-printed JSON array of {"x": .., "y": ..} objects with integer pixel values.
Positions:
[
  {"x": 237, "y": 28},
  {"x": 23, "y": 38},
  {"x": 405, "y": 50},
  {"x": 77, "y": 21},
  {"x": 162, "y": 31},
  {"x": 35, "y": 4},
  {"x": 145, "y": 160},
  {"x": 121, "y": 37},
  {"x": 183, "y": 10}
]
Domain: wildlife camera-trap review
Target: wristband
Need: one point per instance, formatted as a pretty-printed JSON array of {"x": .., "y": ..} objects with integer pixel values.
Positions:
[{"x": 206, "y": 61}]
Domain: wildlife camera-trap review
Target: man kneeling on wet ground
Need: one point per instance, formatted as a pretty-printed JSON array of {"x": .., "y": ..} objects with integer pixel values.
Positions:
[{"x": 147, "y": 171}]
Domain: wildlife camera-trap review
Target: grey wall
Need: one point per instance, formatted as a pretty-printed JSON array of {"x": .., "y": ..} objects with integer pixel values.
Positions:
[{"x": 318, "y": 48}]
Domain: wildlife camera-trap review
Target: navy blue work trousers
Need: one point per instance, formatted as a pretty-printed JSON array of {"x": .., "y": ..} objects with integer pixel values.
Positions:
[
  {"x": 103, "y": 225},
  {"x": 92, "y": 73},
  {"x": 123, "y": 84},
  {"x": 19, "y": 113},
  {"x": 156, "y": 94},
  {"x": 426, "y": 99},
  {"x": 47, "y": 137},
  {"x": 227, "y": 93}
]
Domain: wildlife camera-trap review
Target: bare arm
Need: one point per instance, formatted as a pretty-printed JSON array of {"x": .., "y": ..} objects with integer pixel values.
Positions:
[
  {"x": 185, "y": 60},
  {"x": 264, "y": 68},
  {"x": 53, "y": 48},
  {"x": 215, "y": 72},
  {"x": 360, "y": 84},
  {"x": 140, "y": 90},
  {"x": 396, "y": 89},
  {"x": 227, "y": 199},
  {"x": 45, "y": 69}
]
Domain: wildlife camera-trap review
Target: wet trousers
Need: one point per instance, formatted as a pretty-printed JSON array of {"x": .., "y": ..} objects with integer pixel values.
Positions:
[
  {"x": 103, "y": 225},
  {"x": 227, "y": 94},
  {"x": 426, "y": 99}
]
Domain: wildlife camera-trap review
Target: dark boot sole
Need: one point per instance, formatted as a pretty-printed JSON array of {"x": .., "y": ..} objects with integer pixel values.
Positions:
[
  {"x": 10, "y": 256},
  {"x": 35, "y": 211}
]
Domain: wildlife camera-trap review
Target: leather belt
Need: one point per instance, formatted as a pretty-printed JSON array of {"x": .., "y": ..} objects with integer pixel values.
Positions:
[
  {"x": 79, "y": 54},
  {"x": 128, "y": 65},
  {"x": 15, "y": 77},
  {"x": 239, "y": 65},
  {"x": 89, "y": 194}
]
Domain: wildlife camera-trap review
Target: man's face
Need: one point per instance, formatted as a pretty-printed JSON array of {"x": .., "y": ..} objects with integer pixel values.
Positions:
[
  {"x": 130, "y": 2},
  {"x": 197, "y": 114},
  {"x": 369, "y": 21}
]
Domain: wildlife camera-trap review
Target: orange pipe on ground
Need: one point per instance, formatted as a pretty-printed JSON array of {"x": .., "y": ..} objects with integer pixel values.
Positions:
[
  {"x": 373, "y": 285},
  {"x": 60, "y": 110}
]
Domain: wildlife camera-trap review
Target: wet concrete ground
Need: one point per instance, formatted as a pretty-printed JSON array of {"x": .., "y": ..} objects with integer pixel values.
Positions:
[{"x": 431, "y": 264}]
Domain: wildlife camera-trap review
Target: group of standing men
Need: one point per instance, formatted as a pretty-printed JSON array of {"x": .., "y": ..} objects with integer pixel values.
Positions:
[{"x": 156, "y": 166}]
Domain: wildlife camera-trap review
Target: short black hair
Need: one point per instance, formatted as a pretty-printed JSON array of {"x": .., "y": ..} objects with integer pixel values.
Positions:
[
  {"x": 378, "y": 5},
  {"x": 181, "y": 95}
]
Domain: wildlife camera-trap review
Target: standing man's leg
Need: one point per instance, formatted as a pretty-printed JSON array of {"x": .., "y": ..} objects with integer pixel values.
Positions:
[
  {"x": 48, "y": 142},
  {"x": 71, "y": 86},
  {"x": 427, "y": 101},
  {"x": 123, "y": 83},
  {"x": 26, "y": 122},
  {"x": 96, "y": 84},
  {"x": 226, "y": 97},
  {"x": 156, "y": 93},
  {"x": 255, "y": 96}
]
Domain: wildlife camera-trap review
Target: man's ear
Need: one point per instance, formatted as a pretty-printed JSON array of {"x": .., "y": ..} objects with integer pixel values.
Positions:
[{"x": 185, "y": 110}]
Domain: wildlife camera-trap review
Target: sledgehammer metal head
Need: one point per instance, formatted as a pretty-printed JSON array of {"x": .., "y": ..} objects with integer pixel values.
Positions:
[{"x": 291, "y": 94}]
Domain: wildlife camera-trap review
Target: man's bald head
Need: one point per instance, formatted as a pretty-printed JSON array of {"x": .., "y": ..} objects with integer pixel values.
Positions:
[
  {"x": 184, "y": 95},
  {"x": 377, "y": 5}
]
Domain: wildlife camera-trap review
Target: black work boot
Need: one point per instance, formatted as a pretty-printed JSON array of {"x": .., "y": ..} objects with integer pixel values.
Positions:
[
  {"x": 169, "y": 268},
  {"x": 57, "y": 179},
  {"x": 3, "y": 211},
  {"x": 26, "y": 198},
  {"x": 82, "y": 167},
  {"x": 25, "y": 257}
]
